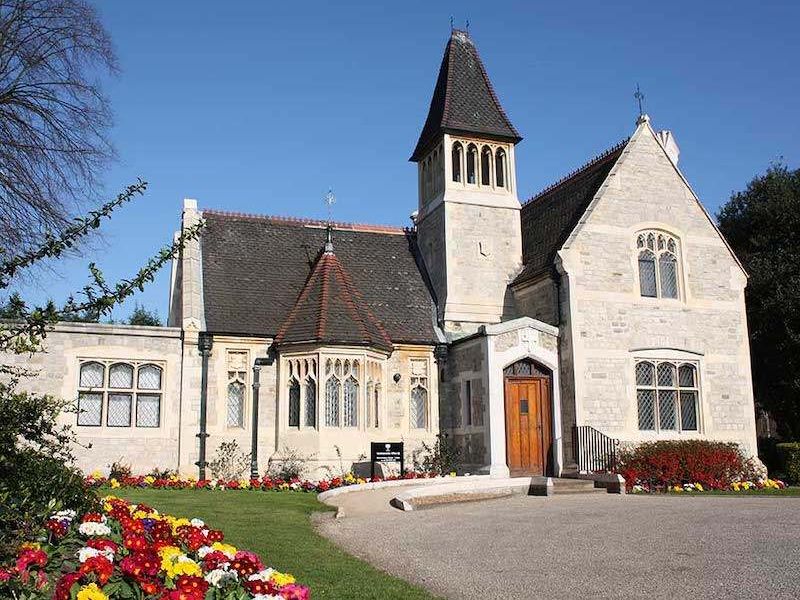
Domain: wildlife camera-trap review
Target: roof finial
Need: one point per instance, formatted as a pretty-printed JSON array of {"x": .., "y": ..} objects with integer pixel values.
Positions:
[
  {"x": 452, "y": 27},
  {"x": 330, "y": 200},
  {"x": 640, "y": 99},
  {"x": 467, "y": 29}
]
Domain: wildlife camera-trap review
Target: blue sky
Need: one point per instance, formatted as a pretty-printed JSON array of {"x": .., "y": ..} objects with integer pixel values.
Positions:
[{"x": 260, "y": 106}]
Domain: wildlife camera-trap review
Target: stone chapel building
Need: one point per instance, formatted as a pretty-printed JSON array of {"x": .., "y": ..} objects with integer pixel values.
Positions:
[{"x": 608, "y": 303}]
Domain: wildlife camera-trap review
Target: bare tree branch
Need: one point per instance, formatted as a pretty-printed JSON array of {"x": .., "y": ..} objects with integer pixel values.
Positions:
[{"x": 54, "y": 116}]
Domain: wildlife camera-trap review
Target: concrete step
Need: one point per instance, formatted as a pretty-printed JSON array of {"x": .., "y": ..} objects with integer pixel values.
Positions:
[{"x": 574, "y": 486}]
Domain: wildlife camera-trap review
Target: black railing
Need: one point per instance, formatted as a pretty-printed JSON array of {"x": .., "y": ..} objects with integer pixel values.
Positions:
[{"x": 594, "y": 451}]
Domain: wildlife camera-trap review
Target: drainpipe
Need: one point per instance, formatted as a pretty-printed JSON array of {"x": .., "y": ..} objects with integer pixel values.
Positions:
[
  {"x": 259, "y": 362},
  {"x": 205, "y": 343}
]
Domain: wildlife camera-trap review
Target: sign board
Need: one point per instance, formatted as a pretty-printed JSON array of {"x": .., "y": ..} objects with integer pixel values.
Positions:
[{"x": 386, "y": 452}]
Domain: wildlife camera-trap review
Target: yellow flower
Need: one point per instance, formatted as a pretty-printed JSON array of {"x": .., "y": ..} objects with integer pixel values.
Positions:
[
  {"x": 698, "y": 487},
  {"x": 149, "y": 479},
  {"x": 114, "y": 483},
  {"x": 281, "y": 578},
  {"x": 184, "y": 566},
  {"x": 226, "y": 549},
  {"x": 97, "y": 474},
  {"x": 244, "y": 484},
  {"x": 677, "y": 488},
  {"x": 30, "y": 546},
  {"x": 91, "y": 592}
]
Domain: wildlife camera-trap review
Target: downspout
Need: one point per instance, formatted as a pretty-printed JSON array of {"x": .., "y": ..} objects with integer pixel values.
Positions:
[
  {"x": 205, "y": 343},
  {"x": 259, "y": 362}
]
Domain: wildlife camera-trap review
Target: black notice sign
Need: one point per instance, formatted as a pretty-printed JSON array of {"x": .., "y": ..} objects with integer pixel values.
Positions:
[{"x": 387, "y": 452}]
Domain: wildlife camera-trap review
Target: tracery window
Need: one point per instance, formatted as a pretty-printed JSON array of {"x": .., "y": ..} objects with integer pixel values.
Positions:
[
  {"x": 301, "y": 391},
  {"x": 130, "y": 386},
  {"x": 472, "y": 160},
  {"x": 237, "y": 387},
  {"x": 373, "y": 374},
  {"x": 457, "y": 155},
  {"x": 486, "y": 166},
  {"x": 418, "y": 408},
  {"x": 500, "y": 168},
  {"x": 658, "y": 264},
  {"x": 667, "y": 394}
]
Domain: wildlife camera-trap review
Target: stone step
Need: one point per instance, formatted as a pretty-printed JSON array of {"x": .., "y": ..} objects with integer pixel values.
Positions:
[{"x": 574, "y": 486}]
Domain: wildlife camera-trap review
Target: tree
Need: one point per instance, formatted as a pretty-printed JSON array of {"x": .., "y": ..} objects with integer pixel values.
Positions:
[
  {"x": 142, "y": 316},
  {"x": 37, "y": 476},
  {"x": 762, "y": 224},
  {"x": 53, "y": 115}
]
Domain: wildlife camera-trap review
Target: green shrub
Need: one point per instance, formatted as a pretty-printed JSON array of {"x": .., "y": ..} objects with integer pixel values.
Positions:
[
  {"x": 790, "y": 458},
  {"x": 36, "y": 473},
  {"x": 442, "y": 458}
]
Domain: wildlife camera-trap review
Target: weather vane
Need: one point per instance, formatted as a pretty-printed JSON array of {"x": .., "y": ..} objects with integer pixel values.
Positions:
[
  {"x": 330, "y": 200},
  {"x": 639, "y": 97}
]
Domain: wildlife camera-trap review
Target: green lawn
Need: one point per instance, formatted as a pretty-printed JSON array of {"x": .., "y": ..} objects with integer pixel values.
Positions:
[{"x": 277, "y": 526}]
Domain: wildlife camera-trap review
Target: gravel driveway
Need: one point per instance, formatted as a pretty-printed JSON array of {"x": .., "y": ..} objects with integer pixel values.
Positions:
[{"x": 601, "y": 546}]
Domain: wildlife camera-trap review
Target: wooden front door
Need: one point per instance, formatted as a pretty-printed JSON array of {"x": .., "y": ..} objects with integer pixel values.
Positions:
[{"x": 528, "y": 427}]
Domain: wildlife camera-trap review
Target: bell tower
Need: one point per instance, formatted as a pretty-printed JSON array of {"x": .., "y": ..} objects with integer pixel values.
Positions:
[{"x": 468, "y": 221}]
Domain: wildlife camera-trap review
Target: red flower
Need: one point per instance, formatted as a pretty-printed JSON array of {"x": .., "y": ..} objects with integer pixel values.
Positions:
[
  {"x": 214, "y": 559},
  {"x": 149, "y": 586},
  {"x": 193, "y": 584},
  {"x": 64, "y": 585},
  {"x": 92, "y": 518},
  {"x": 100, "y": 566},
  {"x": 30, "y": 557},
  {"x": 56, "y": 527},
  {"x": 5, "y": 575},
  {"x": 102, "y": 544},
  {"x": 244, "y": 566},
  {"x": 215, "y": 535},
  {"x": 140, "y": 564},
  {"x": 134, "y": 541},
  {"x": 260, "y": 587}
]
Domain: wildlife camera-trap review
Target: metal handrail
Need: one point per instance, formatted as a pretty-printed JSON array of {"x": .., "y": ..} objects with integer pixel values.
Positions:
[{"x": 594, "y": 451}]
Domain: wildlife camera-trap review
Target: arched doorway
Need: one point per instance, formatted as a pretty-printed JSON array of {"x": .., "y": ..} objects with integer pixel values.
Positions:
[{"x": 529, "y": 427}]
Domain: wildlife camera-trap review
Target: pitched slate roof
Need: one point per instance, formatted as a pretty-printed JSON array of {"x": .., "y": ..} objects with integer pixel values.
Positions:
[
  {"x": 463, "y": 100},
  {"x": 549, "y": 217},
  {"x": 330, "y": 310},
  {"x": 255, "y": 268}
]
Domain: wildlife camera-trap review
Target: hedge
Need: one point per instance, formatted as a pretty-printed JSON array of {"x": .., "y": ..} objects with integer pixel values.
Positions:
[{"x": 790, "y": 458}]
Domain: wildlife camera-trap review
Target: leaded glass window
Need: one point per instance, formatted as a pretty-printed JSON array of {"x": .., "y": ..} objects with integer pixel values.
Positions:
[
  {"x": 90, "y": 409},
  {"x": 658, "y": 265},
  {"x": 332, "y": 401},
  {"x": 350, "y": 412},
  {"x": 311, "y": 403},
  {"x": 667, "y": 395},
  {"x": 525, "y": 368},
  {"x": 500, "y": 168},
  {"x": 131, "y": 386},
  {"x": 294, "y": 403},
  {"x": 419, "y": 407},
  {"x": 92, "y": 375},
  {"x": 238, "y": 363},
  {"x": 472, "y": 160},
  {"x": 486, "y": 166},
  {"x": 457, "y": 155}
]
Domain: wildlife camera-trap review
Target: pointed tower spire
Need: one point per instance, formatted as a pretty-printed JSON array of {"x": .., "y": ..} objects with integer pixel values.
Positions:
[{"x": 464, "y": 101}]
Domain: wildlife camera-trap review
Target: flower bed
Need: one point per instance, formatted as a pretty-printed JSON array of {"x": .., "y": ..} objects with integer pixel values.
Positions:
[
  {"x": 133, "y": 552},
  {"x": 666, "y": 464},
  {"x": 266, "y": 483},
  {"x": 694, "y": 488}
]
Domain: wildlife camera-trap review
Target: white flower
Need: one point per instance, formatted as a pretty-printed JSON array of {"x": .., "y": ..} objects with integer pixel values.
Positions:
[
  {"x": 64, "y": 515},
  {"x": 90, "y": 528},
  {"x": 203, "y": 550},
  {"x": 219, "y": 577},
  {"x": 266, "y": 597},
  {"x": 85, "y": 554},
  {"x": 197, "y": 523},
  {"x": 264, "y": 575}
]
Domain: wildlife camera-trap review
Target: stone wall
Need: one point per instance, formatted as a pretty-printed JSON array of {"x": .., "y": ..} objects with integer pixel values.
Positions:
[
  {"x": 58, "y": 371},
  {"x": 538, "y": 300},
  {"x": 610, "y": 325}
]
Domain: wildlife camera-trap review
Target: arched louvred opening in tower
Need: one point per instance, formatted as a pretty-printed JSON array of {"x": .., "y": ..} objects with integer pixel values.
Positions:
[
  {"x": 472, "y": 160},
  {"x": 486, "y": 166},
  {"x": 500, "y": 168},
  {"x": 457, "y": 155}
]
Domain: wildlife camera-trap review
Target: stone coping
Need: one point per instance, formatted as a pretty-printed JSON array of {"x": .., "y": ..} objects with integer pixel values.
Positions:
[
  {"x": 379, "y": 485},
  {"x": 454, "y": 491}
]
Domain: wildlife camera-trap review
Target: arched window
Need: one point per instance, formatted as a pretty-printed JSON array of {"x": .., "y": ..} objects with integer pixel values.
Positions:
[
  {"x": 500, "y": 168},
  {"x": 92, "y": 375},
  {"x": 236, "y": 403},
  {"x": 332, "y": 401},
  {"x": 658, "y": 265},
  {"x": 376, "y": 404},
  {"x": 472, "y": 159},
  {"x": 486, "y": 166},
  {"x": 350, "y": 411},
  {"x": 120, "y": 376},
  {"x": 457, "y": 154},
  {"x": 311, "y": 403},
  {"x": 294, "y": 403},
  {"x": 419, "y": 407}
]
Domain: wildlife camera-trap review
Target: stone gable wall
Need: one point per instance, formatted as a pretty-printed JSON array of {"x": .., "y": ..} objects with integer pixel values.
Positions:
[{"x": 610, "y": 324}]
